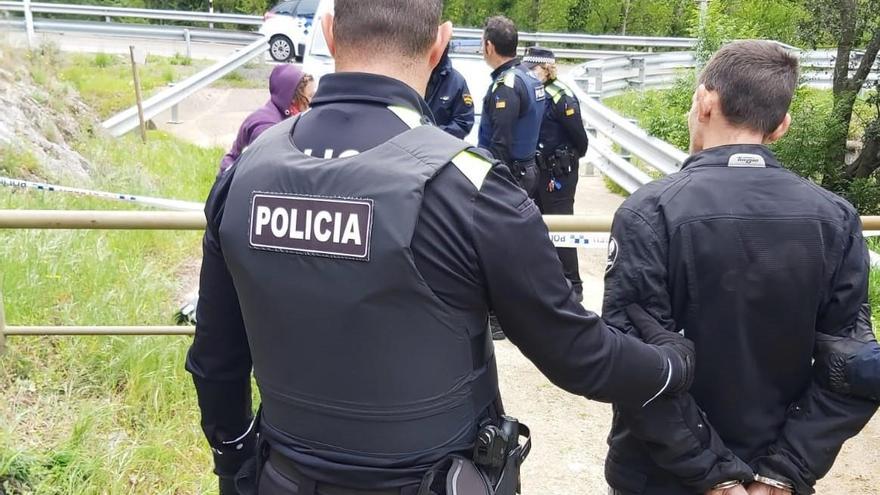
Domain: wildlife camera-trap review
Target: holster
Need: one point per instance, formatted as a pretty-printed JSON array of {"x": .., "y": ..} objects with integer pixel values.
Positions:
[
  {"x": 563, "y": 162},
  {"x": 493, "y": 470}
]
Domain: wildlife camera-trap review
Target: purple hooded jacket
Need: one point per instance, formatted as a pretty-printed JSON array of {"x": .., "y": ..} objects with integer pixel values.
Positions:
[{"x": 282, "y": 86}]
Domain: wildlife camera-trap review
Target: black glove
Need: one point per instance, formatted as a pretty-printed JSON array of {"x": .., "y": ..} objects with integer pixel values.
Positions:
[
  {"x": 231, "y": 457},
  {"x": 679, "y": 351}
]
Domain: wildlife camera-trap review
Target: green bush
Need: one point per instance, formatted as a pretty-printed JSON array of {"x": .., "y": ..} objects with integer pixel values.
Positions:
[{"x": 103, "y": 60}]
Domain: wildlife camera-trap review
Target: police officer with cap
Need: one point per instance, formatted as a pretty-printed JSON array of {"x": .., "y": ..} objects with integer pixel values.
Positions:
[
  {"x": 513, "y": 107},
  {"x": 561, "y": 144},
  {"x": 351, "y": 256}
]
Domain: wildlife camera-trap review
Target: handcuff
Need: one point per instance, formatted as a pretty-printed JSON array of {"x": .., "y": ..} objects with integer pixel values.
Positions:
[
  {"x": 724, "y": 485},
  {"x": 774, "y": 483}
]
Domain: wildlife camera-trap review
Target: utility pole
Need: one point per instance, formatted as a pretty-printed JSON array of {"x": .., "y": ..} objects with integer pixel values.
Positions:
[{"x": 137, "y": 90}]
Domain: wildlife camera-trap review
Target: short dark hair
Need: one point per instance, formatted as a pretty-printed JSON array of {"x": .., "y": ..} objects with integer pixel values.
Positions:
[
  {"x": 755, "y": 81},
  {"x": 404, "y": 27},
  {"x": 501, "y": 31}
]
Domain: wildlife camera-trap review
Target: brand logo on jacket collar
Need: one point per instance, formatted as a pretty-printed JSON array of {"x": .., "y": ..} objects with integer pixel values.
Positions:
[
  {"x": 336, "y": 228},
  {"x": 747, "y": 160}
]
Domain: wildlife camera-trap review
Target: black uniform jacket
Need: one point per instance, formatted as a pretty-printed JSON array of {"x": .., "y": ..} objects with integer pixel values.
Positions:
[
  {"x": 475, "y": 247},
  {"x": 749, "y": 261}
]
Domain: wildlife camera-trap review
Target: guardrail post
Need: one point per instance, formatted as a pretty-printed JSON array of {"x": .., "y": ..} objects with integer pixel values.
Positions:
[
  {"x": 175, "y": 116},
  {"x": 639, "y": 63},
  {"x": 187, "y": 37},
  {"x": 595, "y": 73},
  {"x": 107, "y": 18},
  {"x": 29, "y": 23}
]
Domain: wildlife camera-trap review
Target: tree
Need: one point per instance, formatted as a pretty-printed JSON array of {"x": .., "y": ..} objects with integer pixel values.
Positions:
[{"x": 851, "y": 23}]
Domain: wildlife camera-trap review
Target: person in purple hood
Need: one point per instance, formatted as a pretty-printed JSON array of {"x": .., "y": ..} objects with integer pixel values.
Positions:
[{"x": 291, "y": 93}]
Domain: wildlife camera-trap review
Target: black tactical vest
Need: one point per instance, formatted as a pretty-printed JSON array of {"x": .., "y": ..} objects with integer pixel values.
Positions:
[{"x": 352, "y": 350}]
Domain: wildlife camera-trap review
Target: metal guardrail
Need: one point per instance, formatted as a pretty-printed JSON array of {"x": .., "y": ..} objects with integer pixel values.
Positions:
[
  {"x": 108, "y": 12},
  {"x": 136, "y": 13},
  {"x": 614, "y": 129},
  {"x": 612, "y": 76},
  {"x": 128, "y": 120},
  {"x": 146, "y": 31}
]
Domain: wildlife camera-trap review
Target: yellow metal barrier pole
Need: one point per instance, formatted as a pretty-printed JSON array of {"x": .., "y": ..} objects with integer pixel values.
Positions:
[
  {"x": 45, "y": 330},
  {"x": 185, "y": 220},
  {"x": 111, "y": 220}
]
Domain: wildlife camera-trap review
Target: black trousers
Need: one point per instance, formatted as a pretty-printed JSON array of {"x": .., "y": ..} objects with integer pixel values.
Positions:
[{"x": 561, "y": 202}]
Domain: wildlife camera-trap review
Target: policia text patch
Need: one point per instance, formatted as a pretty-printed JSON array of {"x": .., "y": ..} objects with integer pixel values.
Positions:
[{"x": 338, "y": 228}]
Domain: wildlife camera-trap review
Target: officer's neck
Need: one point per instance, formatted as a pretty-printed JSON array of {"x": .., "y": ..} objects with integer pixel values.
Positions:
[
  {"x": 405, "y": 73},
  {"x": 499, "y": 61}
]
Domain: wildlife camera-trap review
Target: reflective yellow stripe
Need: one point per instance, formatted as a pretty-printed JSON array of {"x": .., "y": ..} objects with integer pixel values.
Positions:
[
  {"x": 409, "y": 116},
  {"x": 473, "y": 166}
]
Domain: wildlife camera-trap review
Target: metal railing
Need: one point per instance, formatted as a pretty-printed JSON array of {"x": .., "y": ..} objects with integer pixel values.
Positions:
[
  {"x": 140, "y": 31},
  {"x": 128, "y": 120},
  {"x": 611, "y": 76},
  {"x": 137, "y": 220},
  {"x": 608, "y": 129},
  {"x": 107, "y": 13}
]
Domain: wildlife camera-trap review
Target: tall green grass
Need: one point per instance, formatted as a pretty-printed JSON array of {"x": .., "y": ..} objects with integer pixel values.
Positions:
[{"x": 96, "y": 415}]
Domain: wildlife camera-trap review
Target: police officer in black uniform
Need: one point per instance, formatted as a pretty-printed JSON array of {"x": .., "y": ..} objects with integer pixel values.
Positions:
[
  {"x": 751, "y": 262},
  {"x": 450, "y": 99},
  {"x": 350, "y": 259},
  {"x": 513, "y": 107},
  {"x": 561, "y": 144}
]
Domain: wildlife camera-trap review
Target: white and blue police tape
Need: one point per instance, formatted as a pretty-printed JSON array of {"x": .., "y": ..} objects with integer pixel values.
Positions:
[
  {"x": 582, "y": 240},
  {"x": 167, "y": 204}
]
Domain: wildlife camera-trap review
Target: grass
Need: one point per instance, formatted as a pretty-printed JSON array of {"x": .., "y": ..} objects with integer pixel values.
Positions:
[
  {"x": 105, "y": 81},
  {"x": 96, "y": 415}
]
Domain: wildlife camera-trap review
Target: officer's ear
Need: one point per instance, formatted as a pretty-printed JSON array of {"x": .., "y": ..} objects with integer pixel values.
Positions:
[
  {"x": 780, "y": 131},
  {"x": 444, "y": 34},
  {"x": 327, "y": 27}
]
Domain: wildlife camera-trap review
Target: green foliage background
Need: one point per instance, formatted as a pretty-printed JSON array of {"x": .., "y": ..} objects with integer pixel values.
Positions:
[{"x": 772, "y": 19}]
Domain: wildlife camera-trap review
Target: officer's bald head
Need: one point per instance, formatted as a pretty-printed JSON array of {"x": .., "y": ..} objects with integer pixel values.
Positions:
[{"x": 385, "y": 28}]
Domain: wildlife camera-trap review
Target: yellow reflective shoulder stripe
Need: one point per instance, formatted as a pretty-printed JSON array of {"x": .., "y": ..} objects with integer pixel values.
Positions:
[
  {"x": 472, "y": 166},
  {"x": 510, "y": 78},
  {"x": 409, "y": 116}
]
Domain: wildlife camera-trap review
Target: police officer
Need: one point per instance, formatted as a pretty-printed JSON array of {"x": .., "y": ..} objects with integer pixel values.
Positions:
[
  {"x": 450, "y": 99},
  {"x": 350, "y": 258},
  {"x": 749, "y": 261},
  {"x": 562, "y": 142},
  {"x": 513, "y": 107}
]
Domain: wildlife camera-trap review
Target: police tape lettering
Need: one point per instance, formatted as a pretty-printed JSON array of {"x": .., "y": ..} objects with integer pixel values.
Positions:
[{"x": 311, "y": 225}]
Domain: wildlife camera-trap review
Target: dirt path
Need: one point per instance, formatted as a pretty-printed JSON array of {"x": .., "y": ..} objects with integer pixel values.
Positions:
[{"x": 569, "y": 432}]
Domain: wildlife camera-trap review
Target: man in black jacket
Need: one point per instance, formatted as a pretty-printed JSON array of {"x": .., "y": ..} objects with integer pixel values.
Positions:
[{"x": 749, "y": 261}]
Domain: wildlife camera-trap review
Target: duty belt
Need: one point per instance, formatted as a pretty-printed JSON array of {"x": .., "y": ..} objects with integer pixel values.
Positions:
[{"x": 308, "y": 486}]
